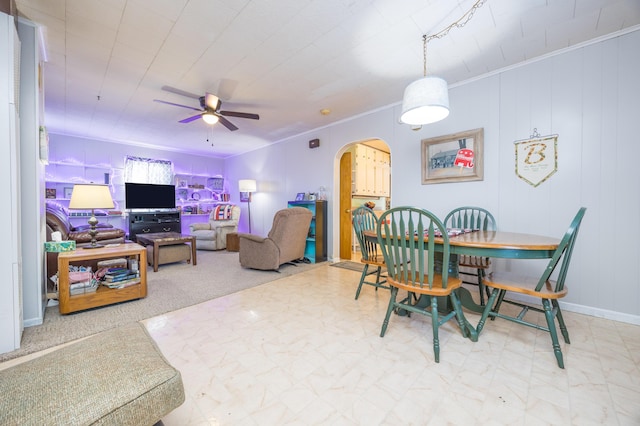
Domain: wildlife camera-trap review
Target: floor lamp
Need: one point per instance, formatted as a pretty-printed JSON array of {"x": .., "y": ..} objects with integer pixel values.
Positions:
[{"x": 247, "y": 186}]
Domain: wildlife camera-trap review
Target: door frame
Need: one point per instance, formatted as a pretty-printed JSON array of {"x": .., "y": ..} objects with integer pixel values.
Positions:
[{"x": 343, "y": 232}]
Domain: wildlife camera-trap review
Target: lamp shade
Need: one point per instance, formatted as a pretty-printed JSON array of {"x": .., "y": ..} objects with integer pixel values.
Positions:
[
  {"x": 425, "y": 101},
  {"x": 247, "y": 185},
  {"x": 91, "y": 196},
  {"x": 210, "y": 118}
]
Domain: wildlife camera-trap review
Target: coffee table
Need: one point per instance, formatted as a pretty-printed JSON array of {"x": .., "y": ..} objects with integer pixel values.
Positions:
[{"x": 159, "y": 239}]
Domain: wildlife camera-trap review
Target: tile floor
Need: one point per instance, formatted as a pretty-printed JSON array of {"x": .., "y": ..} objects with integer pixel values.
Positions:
[{"x": 302, "y": 351}]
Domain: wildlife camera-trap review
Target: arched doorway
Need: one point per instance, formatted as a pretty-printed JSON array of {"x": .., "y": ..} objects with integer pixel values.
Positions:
[{"x": 364, "y": 176}]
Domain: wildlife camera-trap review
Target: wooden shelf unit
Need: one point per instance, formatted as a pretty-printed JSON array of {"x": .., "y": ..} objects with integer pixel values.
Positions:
[
  {"x": 316, "y": 246},
  {"x": 102, "y": 296}
]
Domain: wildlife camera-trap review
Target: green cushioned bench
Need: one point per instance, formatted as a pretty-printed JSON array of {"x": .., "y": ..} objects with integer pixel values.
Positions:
[{"x": 117, "y": 377}]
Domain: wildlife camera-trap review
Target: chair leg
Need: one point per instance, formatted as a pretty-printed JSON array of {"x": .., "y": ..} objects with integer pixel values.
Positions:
[
  {"x": 435, "y": 326},
  {"x": 481, "y": 285},
  {"x": 392, "y": 303},
  {"x": 487, "y": 309},
  {"x": 563, "y": 326},
  {"x": 362, "y": 278},
  {"x": 496, "y": 308},
  {"x": 378, "y": 277},
  {"x": 548, "y": 313}
]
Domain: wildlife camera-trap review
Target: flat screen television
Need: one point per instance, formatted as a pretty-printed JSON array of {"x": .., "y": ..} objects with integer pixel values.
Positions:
[{"x": 149, "y": 196}]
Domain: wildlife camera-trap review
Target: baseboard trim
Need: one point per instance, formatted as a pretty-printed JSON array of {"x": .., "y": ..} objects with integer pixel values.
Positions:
[{"x": 585, "y": 310}]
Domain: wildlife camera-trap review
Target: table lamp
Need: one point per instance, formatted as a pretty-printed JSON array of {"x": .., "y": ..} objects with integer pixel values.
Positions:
[
  {"x": 247, "y": 186},
  {"x": 91, "y": 196}
]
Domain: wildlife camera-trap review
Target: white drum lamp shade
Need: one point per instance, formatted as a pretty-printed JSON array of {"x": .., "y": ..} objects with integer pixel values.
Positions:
[
  {"x": 247, "y": 185},
  {"x": 425, "y": 101}
]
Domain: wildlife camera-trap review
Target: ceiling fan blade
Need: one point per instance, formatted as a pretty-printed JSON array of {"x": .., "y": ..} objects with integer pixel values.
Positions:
[
  {"x": 178, "y": 105},
  {"x": 180, "y": 92},
  {"x": 226, "y": 123},
  {"x": 212, "y": 101},
  {"x": 190, "y": 119},
  {"x": 240, "y": 114}
]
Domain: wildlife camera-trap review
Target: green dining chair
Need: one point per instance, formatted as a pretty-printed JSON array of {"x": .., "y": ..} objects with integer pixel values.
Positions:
[
  {"x": 472, "y": 218},
  {"x": 545, "y": 288},
  {"x": 414, "y": 263},
  {"x": 364, "y": 219}
]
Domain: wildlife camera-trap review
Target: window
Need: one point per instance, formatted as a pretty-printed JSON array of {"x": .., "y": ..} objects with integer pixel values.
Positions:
[{"x": 148, "y": 170}]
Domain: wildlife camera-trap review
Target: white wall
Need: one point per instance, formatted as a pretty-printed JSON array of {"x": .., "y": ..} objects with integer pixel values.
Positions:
[
  {"x": 589, "y": 96},
  {"x": 63, "y": 148},
  {"x": 10, "y": 255},
  {"x": 32, "y": 224}
]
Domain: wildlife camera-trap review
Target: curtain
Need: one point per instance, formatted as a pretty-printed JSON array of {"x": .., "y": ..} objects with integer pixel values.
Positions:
[{"x": 148, "y": 170}]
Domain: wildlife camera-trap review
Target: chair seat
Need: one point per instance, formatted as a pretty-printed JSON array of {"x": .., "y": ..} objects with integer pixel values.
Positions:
[
  {"x": 436, "y": 289},
  {"x": 524, "y": 284},
  {"x": 376, "y": 260},
  {"x": 474, "y": 262}
]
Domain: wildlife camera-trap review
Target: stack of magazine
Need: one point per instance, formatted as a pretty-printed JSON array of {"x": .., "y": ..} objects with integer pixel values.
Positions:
[
  {"x": 120, "y": 277},
  {"x": 81, "y": 281}
]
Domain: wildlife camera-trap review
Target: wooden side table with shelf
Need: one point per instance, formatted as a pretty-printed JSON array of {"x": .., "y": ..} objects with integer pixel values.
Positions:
[{"x": 103, "y": 295}]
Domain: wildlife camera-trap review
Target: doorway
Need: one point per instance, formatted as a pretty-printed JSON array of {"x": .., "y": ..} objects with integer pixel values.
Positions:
[{"x": 368, "y": 168}]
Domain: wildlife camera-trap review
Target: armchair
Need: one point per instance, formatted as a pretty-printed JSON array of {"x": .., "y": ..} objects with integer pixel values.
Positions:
[
  {"x": 285, "y": 243},
  {"x": 212, "y": 235}
]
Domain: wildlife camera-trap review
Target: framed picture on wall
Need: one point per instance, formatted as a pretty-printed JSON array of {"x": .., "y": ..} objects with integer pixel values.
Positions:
[
  {"x": 453, "y": 158},
  {"x": 67, "y": 192}
]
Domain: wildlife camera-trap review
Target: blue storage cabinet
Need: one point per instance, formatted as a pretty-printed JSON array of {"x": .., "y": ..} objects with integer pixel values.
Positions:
[{"x": 316, "y": 247}]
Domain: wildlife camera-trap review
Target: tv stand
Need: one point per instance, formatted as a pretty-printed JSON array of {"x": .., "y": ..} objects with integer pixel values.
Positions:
[{"x": 151, "y": 222}]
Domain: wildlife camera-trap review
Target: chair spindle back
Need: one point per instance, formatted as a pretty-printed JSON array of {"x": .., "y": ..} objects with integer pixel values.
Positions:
[
  {"x": 364, "y": 219},
  {"x": 562, "y": 255},
  {"x": 471, "y": 218},
  {"x": 402, "y": 234}
]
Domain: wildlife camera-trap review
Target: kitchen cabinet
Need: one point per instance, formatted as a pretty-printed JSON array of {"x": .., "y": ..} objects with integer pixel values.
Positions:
[{"x": 371, "y": 172}]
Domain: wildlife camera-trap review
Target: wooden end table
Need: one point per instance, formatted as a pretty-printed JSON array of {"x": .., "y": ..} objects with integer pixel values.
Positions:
[
  {"x": 159, "y": 239},
  {"x": 103, "y": 295}
]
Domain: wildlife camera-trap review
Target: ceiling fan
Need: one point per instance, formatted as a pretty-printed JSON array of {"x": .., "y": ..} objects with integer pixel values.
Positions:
[{"x": 209, "y": 109}]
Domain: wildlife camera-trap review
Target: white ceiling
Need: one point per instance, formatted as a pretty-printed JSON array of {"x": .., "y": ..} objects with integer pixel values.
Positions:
[{"x": 282, "y": 59}]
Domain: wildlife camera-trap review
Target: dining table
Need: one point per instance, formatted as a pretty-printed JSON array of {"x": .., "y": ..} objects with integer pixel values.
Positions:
[{"x": 492, "y": 244}]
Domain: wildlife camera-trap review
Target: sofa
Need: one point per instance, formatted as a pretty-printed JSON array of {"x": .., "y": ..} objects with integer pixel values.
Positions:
[
  {"x": 57, "y": 219},
  {"x": 285, "y": 242},
  {"x": 212, "y": 235},
  {"x": 117, "y": 377}
]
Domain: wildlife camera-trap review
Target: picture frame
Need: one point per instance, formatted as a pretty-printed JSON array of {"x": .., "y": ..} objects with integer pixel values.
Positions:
[
  {"x": 300, "y": 196},
  {"x": 50, "y": 193},
  {"x": 245, "y": 197},
  {"x": 458, "y": 157},
  {"x": 67, "y": 191}
]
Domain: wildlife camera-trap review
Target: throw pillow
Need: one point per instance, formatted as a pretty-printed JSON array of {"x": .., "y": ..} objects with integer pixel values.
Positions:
[{"x": 221, "y": 212}]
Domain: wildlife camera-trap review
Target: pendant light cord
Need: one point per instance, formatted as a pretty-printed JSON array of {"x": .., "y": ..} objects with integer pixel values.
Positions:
[{"x": 457, "y": 24}]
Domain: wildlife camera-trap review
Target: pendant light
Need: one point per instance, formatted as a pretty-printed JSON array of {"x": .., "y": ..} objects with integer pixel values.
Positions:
[{"x": 426, "y": 100}]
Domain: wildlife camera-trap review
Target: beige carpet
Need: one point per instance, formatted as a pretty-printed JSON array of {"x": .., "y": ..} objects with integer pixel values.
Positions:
[{"x": 174, "y": 286}]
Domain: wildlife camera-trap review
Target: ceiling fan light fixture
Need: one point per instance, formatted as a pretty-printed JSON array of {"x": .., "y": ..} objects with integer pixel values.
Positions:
[
  {"x": 425, "y": 101},
  {"x": 210, "y": 118}
]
